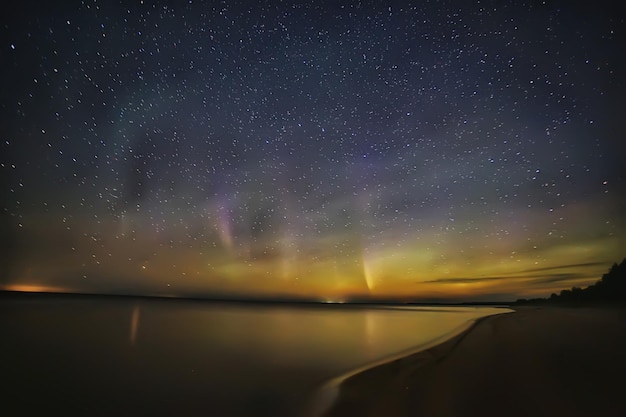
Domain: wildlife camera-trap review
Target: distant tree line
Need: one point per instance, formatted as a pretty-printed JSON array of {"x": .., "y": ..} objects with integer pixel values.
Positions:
[{"x": 610, "y": 289}]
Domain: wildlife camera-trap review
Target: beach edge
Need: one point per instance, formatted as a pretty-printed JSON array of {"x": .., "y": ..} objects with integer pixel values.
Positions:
[{"x": 327, "y": 396}]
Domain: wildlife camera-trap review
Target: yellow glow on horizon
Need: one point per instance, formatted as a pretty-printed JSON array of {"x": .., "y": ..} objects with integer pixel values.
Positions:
[{"x": 334, "y": 267}]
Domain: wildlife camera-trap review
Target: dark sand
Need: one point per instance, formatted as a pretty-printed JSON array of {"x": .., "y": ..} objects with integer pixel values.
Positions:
[{"x": 534, "y": 362}]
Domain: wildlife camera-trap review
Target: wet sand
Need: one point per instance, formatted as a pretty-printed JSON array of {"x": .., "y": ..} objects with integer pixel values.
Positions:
[{"x": 534, "y": 362}]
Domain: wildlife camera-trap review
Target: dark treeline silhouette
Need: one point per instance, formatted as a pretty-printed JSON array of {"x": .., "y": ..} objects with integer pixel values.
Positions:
[{"x": 610, "y": 289}]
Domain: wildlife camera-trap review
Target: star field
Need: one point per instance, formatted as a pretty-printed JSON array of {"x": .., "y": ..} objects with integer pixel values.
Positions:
[{"x": 312, "y": 150}]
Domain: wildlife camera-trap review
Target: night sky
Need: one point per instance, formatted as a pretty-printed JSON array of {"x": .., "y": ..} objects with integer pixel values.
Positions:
[{"x": 449, "y": 150}]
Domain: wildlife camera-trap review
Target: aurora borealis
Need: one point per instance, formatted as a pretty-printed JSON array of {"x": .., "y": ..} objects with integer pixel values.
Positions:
[{"x": 317, "y": 150}]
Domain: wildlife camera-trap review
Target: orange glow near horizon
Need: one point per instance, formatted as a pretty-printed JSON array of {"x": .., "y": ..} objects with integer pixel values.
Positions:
[
  {"x": 411, "y": 271},
  {"x": 31, "y": 288},
  {"x": 338, "y": 265}
]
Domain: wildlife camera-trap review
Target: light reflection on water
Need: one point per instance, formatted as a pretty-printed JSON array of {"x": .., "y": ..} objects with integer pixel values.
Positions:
[
  {"x": 134, "y": 324},
  {"x": 156, "y": 357}
]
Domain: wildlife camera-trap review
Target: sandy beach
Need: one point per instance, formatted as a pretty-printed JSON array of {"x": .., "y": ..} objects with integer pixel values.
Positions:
[{"x": 534, "y": 362}]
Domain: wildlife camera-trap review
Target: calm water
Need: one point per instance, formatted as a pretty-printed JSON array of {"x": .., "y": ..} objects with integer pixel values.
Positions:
[{"x": 95, "y": 356}]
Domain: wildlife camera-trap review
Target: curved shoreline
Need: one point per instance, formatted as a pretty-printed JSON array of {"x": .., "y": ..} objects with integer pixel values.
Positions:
[
  {"x": 540, "y": 361},
  {"x": 327, "y": 395}
]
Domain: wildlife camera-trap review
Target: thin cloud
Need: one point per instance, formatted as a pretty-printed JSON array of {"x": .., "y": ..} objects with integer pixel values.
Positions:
[
  {"x": 464, "y": 280},
  {"x": 552, "y": 278},
  {"x": 552, "y": 268}
]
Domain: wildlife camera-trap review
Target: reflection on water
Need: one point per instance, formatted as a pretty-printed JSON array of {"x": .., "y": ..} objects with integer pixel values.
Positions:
[
  {"x": 77, "y": 355},
  {"x": 134, "y": 324}
]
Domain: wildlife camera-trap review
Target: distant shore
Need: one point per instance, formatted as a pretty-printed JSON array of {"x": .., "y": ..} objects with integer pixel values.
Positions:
[{"x": 537, "y": 361}]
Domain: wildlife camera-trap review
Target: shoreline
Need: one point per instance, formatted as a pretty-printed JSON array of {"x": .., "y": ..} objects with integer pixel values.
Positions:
[
  {"x": 539, "y": 361},
  {"x": 325, "y": 398}
]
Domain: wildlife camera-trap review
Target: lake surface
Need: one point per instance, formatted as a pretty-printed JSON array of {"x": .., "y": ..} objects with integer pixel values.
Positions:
[{"x": 94, "y": 356}]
